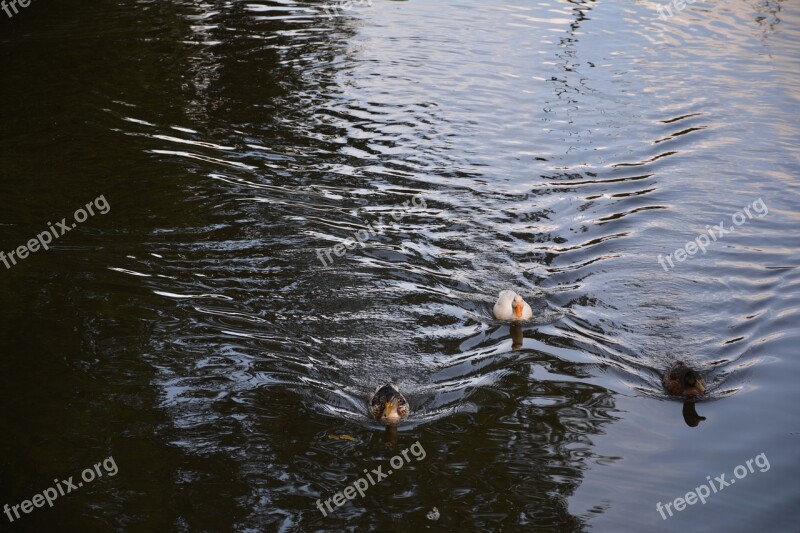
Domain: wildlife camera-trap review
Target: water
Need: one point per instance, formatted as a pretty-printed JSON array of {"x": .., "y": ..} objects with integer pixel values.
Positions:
[{"x": 557, "y": 148}]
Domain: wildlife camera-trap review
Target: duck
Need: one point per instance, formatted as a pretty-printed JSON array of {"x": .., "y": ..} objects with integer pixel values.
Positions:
[
  {"x": 388, "y": 404},
  {"x": 680, "y": 380},
  {"x": 511, "y": 306}
]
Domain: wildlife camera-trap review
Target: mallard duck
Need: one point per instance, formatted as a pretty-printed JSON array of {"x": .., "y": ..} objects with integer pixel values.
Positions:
[
  {"x": 388, "y": 405},
  {"x": 680, "y": 380},
  {"x": 511, "y": 306}
]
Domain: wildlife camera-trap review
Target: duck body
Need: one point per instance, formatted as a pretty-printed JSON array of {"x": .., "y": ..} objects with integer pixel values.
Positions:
[
  {"x": 388, "y": 404},
  {"x": 511, "y": 306},
  {"x": 680, "y": 380}
]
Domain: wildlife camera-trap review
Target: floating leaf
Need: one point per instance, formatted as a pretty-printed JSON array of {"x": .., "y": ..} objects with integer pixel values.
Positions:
[{"x": 341, "y": 437}]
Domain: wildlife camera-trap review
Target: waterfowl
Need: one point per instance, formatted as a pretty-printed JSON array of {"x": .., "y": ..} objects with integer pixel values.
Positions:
[
  {"x": 680, "y": 380},
  {"x": 511, "y": 306},
  {"x": 388, "y": 405}
]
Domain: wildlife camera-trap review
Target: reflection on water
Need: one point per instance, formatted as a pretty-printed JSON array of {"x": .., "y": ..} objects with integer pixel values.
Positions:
[
  {"x": 690, "y": 415},
  {"x": 557, "y": 148}
]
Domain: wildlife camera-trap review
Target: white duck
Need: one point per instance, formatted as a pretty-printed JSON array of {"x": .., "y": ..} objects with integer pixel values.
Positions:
[{"x": 511, "y": 306}]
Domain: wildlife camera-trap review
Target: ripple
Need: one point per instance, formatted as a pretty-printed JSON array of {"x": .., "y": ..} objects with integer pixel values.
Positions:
[{"x": 559, "y": 149}]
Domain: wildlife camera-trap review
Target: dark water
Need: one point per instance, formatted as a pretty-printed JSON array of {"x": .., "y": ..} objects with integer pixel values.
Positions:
[{"x": 557, "y": 148}]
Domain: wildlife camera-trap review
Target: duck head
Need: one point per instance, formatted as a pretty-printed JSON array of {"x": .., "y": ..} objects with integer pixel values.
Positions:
[
  {"x": 388, "y": 405},
  {"x": 691, "y": 380},
  {"x": 518, "y": 305},
  {"x": 681, "y": 380}
]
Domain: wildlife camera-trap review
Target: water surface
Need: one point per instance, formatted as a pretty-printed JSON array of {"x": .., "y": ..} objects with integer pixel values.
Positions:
[{"x": 557, "y": 148}]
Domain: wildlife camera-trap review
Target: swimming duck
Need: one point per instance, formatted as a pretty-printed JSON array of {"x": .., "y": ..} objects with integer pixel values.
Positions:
[
  {"x": 388, "y": 405},
  {"x": 680, "y": 380},
  {"x": 511, "y": 306}
]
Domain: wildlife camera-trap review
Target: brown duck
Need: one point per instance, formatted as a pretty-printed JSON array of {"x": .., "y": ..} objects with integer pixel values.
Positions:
[
  {"x": 388, "y": 405},
  {"x": 680, "y": 380}
]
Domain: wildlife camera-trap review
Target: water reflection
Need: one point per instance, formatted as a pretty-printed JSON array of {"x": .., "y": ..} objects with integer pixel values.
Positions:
[
  {"x": 690, "y": 415},
  {"x": 516, "y": 336}
]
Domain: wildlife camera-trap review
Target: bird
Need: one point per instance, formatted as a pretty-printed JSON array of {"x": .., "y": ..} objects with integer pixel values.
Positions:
[
  {"x": 388, "y": 405},
  {"x": 511, "y": 306},
  {"x": 680, "y": 380}
]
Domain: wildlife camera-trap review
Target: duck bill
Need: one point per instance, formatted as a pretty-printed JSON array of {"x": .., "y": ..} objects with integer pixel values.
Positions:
[
  {"x": 518, "y": 310},
  {"x": 390, "y": 410},
  {"x": 700, "y": 386}
]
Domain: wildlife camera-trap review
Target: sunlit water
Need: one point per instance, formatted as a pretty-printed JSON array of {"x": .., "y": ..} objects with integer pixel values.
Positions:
[{"x": 199, "y": 333}]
